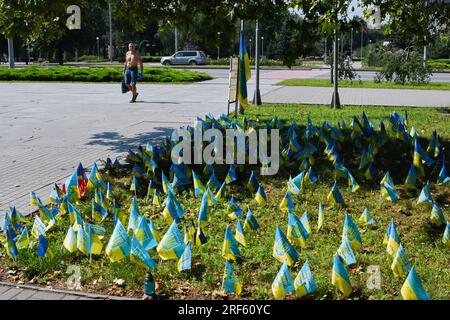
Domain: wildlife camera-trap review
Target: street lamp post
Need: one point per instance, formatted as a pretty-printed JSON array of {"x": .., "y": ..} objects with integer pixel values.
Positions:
[
  {"x": 218, "y": 45},
  {"x": 250, "y": 48},
  {"x": 98, "y": 47},
  {"x": 262, "y": 46},
  {"x": 257, "y": 95},
  {"x": 111, "y": 49}
]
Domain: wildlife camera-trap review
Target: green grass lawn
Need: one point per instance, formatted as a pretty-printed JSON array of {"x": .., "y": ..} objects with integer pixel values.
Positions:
[
  {"x": 363, "y": 84},
  {"x": 257, "y": 268},
  {"x": 101, "y": 74}
]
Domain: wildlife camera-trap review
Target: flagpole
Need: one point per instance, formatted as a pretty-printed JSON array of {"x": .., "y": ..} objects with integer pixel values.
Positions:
[
  {"x": 239, "y": 107},
  {"x": 362, "y": 35},
  {"x": 257, "y": 95}
]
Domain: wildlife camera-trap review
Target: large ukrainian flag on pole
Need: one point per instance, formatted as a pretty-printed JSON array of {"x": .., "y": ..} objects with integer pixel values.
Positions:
[{"x": 244, "y": 70}]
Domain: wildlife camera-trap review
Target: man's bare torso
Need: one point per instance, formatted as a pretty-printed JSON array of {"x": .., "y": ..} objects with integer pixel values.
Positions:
[{"x": 133, "y": 59}]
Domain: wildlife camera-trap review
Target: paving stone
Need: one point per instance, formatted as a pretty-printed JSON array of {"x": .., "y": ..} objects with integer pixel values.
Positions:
[
  {"x": 24, "y": 295},
  {"x": 9, "y": 294},
  {"x": 70, "y": 297},
  {"x": 45, "y": 295}
]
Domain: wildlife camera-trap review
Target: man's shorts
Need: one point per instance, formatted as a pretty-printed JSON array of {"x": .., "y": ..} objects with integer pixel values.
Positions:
[{"x": 131, "y": 76}]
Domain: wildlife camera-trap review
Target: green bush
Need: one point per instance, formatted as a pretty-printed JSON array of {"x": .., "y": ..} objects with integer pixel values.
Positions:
[
  {"x": 263, "y": 62},
  {"x": 439, "y": 64},
  {"x": 151, "y": 58},
  {"x": 163, "y": 75},
  {"x": 403, "y": 66}
]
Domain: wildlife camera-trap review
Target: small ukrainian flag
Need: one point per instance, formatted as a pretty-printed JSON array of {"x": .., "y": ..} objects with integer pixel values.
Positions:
[
  {"x": 340, "y": 278},
  {"x": 283, "y": 283},
  {"x": 413, "y": 289}
]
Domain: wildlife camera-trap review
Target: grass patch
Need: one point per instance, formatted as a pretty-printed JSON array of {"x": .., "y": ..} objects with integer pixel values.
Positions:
[
  {"x": 363, "y": 84},
  {"x": 101, "y": 74},
  {"x": 257, "y": 268}
]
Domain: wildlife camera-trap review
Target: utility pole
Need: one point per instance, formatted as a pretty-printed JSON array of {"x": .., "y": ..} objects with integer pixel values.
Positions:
[
  {"x": 335, "y": 102},
  {"x": 11, "y": 52},
  {"x": 257, "y": 95},
  {"x": 351, "y": 44},
  {"x": 111, "y": 49},
  {"x": 176, "y": 39},
  {"x": 239, "y": 108}
]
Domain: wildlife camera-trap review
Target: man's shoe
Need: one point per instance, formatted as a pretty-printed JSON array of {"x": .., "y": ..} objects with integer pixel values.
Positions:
[{"x": 134, "y": 97}]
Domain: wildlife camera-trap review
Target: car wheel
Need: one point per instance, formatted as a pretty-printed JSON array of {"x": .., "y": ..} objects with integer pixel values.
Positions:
[
  {"x": 166, "y": 63},
  {"x": 192, "y": 63}
]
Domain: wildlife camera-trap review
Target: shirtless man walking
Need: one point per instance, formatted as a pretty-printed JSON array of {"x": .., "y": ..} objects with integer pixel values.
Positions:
[{"x": 130, "y": 70}]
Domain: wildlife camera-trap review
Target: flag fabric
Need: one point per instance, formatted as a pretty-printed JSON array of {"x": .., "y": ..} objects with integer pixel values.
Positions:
[
  {"x": 139, "y": 255},
  {"x": 134, "y": 185},
  {"x": 155, "y": 200},
  {"x": 184, "y": 263},
  {"x": 231, "y": 283},
  {"x": 340, "y": 278},
  {"x": 393, "y": 240},
  {"x": 220, "y": 194},
  {"x": 388, "y": 192},
  {"x": 151, "y": 189},
  {"x": 200, "y": 238},
  {"x": 23, "y": 240},
  {"x": 412, "y": 288},
  {"x": 213, "y": 183},
  {"x": 417, "y": 160},
  {"x": 39, "y": 227},
  {"x": 437, "y": 217},
  {"x": 287, "y": 203},
  {"x": 425, "y": 194},
  {"x": 261, "y": 197},
  {"x": 210, "y": 197},
  {"x": 109, "y": 193},
  {"x": 42, "y": 249},
  {"x": 320, "y": 217},
  {"x": 154, "y": 231},
  {"x": 240, "y": 233},
  {"x": 351, "y": 233},
  {"x": 199, "y": 187},
  {"x": 292, "y": 187},
  {"x": 400, "y": 264},
  {"x": 387, "y": 179},
  {"x": 119, "y": 244},
  {"x": 283, "y": 251},
  {"x": 83, "y": 241},
  {"x": 203, "y": 212},
  {"x": 71, "y": 187},
  {"x": 70, "y": 241},
  {"x": 304, "y": 282},
  {"x": 411, "y": 178},
  {"x": 296, "y": 232},
  {"x": 230, "y": 248},
  {"x": 172, "y": 244},
  {"x": 283, "y": 283},
  {"x": 244, "y": 70},
  {"x": 388, "y": 232},
  {"x": 234, "y": 210},
  {"x": 366, "y": 218},
  {"x": 335, "y": 195},
  {"x": 250, "y": 222},
  {"x": 166, "y": 184},
  {"x": 11, "y": 247},
  {"x": 34, "y": 200},
  {"x": 99, "y": 212},
  {"x": 74, "y": 216},
  {"x": 231, "y": 175},
  {"x": 352, "y": 182},
  {"x": 305, "y": 221},
  {"x": 170, "y": 212},
  {"x": 144, "y": 235},
  {"x": 135, "y": 215},
  {"x": 345, "y": 251},
  {"x": 253, "y": 183}
]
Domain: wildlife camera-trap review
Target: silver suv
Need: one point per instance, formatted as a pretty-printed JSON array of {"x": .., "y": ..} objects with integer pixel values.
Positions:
[{"x": 185, "y": 57}]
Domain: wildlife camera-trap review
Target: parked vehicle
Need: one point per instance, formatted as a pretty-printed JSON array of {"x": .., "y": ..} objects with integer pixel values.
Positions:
[{"x": 185, "y": 57}]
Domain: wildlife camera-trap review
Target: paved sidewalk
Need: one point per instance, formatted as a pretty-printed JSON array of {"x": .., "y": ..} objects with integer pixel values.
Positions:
[
  {"x": 9, "y": 291},
  {"x": 359, "y": 96}
]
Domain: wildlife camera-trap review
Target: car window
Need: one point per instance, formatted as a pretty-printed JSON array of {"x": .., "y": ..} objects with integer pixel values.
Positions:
[
  {"x": 202, "y": 54},
  {"x": 178, "y": 54},
  {"x": 190, "y": 54}
]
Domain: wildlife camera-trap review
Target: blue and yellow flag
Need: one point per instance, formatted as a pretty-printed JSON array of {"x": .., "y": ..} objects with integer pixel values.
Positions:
[
  {"x": 230, "y": 248},
  {"x": 413, "y": 289},
  {"x": 172, "y": 244},
  {"x": 200, "y": 238},
  {"x": 55, "y": 195},
  {"x": 203, "y": 212},
  {"x": 335, "y": 195},
  {"x": 212, "y": 201},
  {"x": 253, "y": 183},
  {"x": 140, "y": 256},
  {"x": 109, "y": 193},
  {"x": 250, "y": 222},
  {"x": 213, "y": 183},
  {"x": 340, "y": 278},
  {"x": 134, "y": 185},
  {"x": 23, "y": 240},
  {"x": 233, "y": 208},
  {"x": 446, "y": 236},
  {"x": 283, "y": 283},
  {"x": 70, "y": 241},
  {"x": 220, "y": 194},
  {"x": 366, "y": 218},
  {"x": 304, "y": 282},
  {"x": 401, "y": 264},
  {"x": 230, "y": 283},
  {"x": 170, "y": 212},
  {"x": 83, "y": 241},
  {"x": 437, "y": 217},
  {"x": 144, "y": 235},
  {"x": 417, "y": 160},
  {"x": 443, "y": 175},
  {"x": 345, "y": 251},
  {"x": 371, "y": 172},
  {"x": 135, "y": 215},
  {"x": 411, "y": 179},
  {"x": 425, "y": 194},
  {"x": 283, "y": 251},
  {"x": 351, "y": 232},
  {"x": 34, "y": 200},
  {"x": 231, "y": 175},
  {"x": 98, "y": 196},
  {"x": 352, "y": 182},
  {"x": 119, "y": 244},
  {"x": 393, "y": 240},
  {"x": 287, "y": 203},
  {"x": 42, "y": 249},
  {"x": 74, "y": 216},
  {"x": 11, "y": 247},
  {"x": 94, "y": 178},
  {"x": 240, "y": 233},
  {"x": 320, "y": 217},
  {"x": 244, "y": 71},
  {"x": 99, "y": 213},
  {"x": 184, "y": 263},
  {"x": 39, "y": 227},
  {"x": 199, "y": 187},
  {"x": 155, "y": 200},
  {"x": 388, "y": 232},
  {"x": 305, "y": 221},
  {"x": 154, "y": 231},
  {"x": 151, "y": 188},
  {"x": 387, "y": 179},
  {"x": 166, "y": 184},
  {"x": 296, "y": 232},
  {"x": 388, "y": 192},
  {"x": 261, "y": 197}
]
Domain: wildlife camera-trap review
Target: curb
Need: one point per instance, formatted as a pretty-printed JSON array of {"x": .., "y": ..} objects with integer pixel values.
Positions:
[{"x": 67, "y": 292}]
